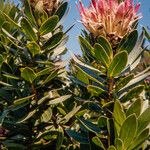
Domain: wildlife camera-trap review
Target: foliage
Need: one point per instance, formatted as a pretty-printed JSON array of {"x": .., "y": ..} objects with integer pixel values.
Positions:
[
  {"x": 115, "y": 89},
  {"x": 34, "y": 95},
  {"x": 102, "y": 102}
]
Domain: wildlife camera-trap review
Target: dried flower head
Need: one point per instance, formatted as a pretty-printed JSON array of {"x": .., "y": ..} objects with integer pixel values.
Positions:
[
  {"x": 109, "y": 17},
  {"x": 48, "y": 5}
]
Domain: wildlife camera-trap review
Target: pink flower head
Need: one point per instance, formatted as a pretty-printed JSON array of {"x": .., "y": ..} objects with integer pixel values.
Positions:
[{"x": 109, "y": 17}]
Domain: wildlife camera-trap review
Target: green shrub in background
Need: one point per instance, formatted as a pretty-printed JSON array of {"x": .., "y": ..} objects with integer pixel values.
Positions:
[{"x": 35, "y": 103}]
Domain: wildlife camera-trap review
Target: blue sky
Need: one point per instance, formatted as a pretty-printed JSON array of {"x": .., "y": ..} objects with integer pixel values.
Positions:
[{"x": 73, "y": 17}]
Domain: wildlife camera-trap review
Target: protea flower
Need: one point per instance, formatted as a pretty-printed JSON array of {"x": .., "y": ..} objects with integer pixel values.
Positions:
[
  {"x": 48, "y": 5},
  {"x": 109, "y": 17}
]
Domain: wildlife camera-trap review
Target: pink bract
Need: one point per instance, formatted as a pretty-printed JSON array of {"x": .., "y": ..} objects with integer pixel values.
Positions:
[{"x": 106, "y": 17}]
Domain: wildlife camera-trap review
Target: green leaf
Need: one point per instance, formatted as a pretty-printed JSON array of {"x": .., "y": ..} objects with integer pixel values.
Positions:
[
  {"x": 128, "y": 130},
  {"x": 124, "y": 81},
  {"x": 2, "y": 4},
  {"x": 111, "y": 128},
  {"x": 6, "y": 68},
  {"x": 144, "y": 120},
  {"x": 41, "y": 17},
  {"x": 43, "y": 99},
  {"x": 53, "y": 41},
  {"x": 102, "y": 121},
  {"x": 118, "y": 64},
  {"x": 61, "y": 111},
  {"x": 61, "y": 10},
  {"x": 89, "y": 126},
  {"x": 47, "y": 135},
  {"x": 49, "y": 63},
  {"x": 22, "y": 100},
  {"x": 59, "y": 100},
  {"x": 98, "y": 142},
  {"x": 101, "y": 55},
  {"x": 139, "y": 140},
  {"x": 78, "y": 136},
  {"x": 10, "y": 20},
  {"x": 133, "y": 93},
  {"x": 5, "y": 84},
  {"x": 46, "y": 116},
  {"x": 12, "y": 125},
  {"x": 94, "y": 106},
  {"x": 119, "y": 115},
  {"x": 11, "y": 145},
  {"x": 135, "y": 63},
  {"x": 10, "y": 76},
  {"x": 136, "y": 108},
  {"x": 106, "y": 45},
  {"x": 22, "y": 105},
  {"x": 49, "y": 25},
  {"x": 146, "y": 33},
  {"x": 60, "y": 138},
  {"x": 45, "y": 71},
  {"x": 28, "y": 74},
  {"x": 111, "y": 148},
  {"x": 95, "y": 90},
  {"x": 50, "y": 77},
  {"x": 1, "y": 59},
  {"x": 28, "y": 30},
  {"x": 12, "y": 39},
  {"x": 13, "y": 12},
  {"x": 79, "y": 62},
  {"x": 28, "y": 11},
  {"x": 119, "y": 144},
  {"x": 71, "y": 114},
  {"x": 85, "y": 46},
  {"x": 6, "y": 95},
  {"x": 137, "y": 50},
  {"x": 29, "y": 115},
  {"x": 129, "y": 42},
  {"x": 34, "y": 48},
  {"x": 136, "y": 81},
  {"x": 81, "y": 76},
  {"x": 3, "y": 116},
  {"x": 90, "y": 74}
]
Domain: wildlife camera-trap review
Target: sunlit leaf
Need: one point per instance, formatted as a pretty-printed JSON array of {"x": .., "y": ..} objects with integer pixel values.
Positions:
[
  {"x": 53, "y": 41},
  {"x": 128, "y": 130},
  {"x": 144, "y": 120},
  {"x": 49, "y": 25},
  {"x": 101, "y": 55},
  {"x": 28, "y": 29},
  {"x": 136, "y": 108},
  {"x": 61, "y": 10},
  {"x": 22, "y": 100},
  {"x": 119, "y": 115},
  {"x": 98, "y": 142},
  {"x": 106, "y": 45},
  {"x": 28, "y": 74},
  {"x": 118, "y": 64},
  {"x": 128, "y": 42},
  {"x": 34, "y": 48}
]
